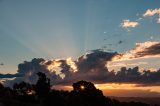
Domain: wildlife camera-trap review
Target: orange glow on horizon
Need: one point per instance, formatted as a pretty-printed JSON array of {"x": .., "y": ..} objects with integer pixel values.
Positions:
[
  {"x": 115, "y": 89},
  {"x": 116, "y": 86}
]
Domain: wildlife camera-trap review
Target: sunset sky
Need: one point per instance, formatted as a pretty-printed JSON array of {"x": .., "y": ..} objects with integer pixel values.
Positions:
[{"x": 71, "y": 31}]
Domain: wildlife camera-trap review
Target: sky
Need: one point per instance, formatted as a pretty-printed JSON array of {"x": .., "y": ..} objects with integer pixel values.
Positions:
[{"x": 59, "y": 29}]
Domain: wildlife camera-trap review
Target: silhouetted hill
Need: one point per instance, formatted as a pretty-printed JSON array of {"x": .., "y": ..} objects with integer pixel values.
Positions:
[{"x": 148, "y": 100}]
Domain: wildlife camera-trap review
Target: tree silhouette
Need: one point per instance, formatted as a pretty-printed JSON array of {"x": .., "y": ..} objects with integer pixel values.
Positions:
[
  {"x": 1, "y": 90},
  {"x": 85, "y": 94},
  {"x": 42, "y": 85},
  {"x": 83, "y": 86},
  {"x": 23, "y": 88}
]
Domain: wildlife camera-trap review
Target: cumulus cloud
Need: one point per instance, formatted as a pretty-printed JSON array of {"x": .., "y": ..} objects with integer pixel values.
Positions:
[
  {"x": 90, "y": 67},
  {"x": 134, "y": 58},
  {"x": 128, "y": 24},
  {"x": 135, "y": 76},
  {"x": 152, "y": 12}
]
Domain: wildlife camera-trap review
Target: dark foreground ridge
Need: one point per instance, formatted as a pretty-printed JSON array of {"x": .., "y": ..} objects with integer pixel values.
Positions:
[{"x": 83, "y": 94}]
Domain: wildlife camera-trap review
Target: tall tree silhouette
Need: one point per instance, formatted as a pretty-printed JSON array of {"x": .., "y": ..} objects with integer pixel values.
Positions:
[{"x": 42, "y": 86}]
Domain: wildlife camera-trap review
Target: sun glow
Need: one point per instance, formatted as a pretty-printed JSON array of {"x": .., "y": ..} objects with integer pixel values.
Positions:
[
  {"x": 114, "y": 89},
  {"x": 116, "y": 86},
  {"x": 56, "y": 66},
  {"x": 82, "y": 87}
]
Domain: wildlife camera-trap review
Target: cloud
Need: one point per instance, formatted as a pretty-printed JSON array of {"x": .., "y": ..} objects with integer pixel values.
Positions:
[
  {"x": 145, "y": 49},
  {"x": 91, "y": 67},
  {"x": 9, "y": 75},
  {"x": 128, "y": 24},
  {"x": 149, "y": 13},
  {"x": 152, "y": 12},
  {"x": 153, "y": 48},
  {"x": 57, "y": 70},
  {"x": 146, "y": 55},
  {"x": 133, "y": 75},
  {"x": 158, "y": 20},
  {"x": 125, "y": 64}
]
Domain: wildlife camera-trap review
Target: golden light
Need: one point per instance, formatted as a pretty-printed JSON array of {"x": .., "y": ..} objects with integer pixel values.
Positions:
[
  {"x": 82, "y": 87},
  {"x": 117, "y": 86},
  {"x": 71, "y": 64},
  {"x": 31, "y": 92},
  {"x": 55, "y": 67},
  {"x": 54, "y": 64}
]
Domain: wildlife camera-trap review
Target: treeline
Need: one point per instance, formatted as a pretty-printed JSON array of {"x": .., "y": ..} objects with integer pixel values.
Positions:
[{"x": 83, "y": 94}]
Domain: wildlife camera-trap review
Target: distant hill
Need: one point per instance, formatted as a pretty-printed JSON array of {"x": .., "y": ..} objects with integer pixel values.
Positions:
[{"x": 149, "y": 100}]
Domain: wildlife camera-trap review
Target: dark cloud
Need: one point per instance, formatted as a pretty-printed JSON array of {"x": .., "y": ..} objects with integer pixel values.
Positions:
[
  {"x": 10, "y": 75},
  {"x": 30, "y": 70},
  {"x": 135, "y": 76},
  {"x": 91, "y": 67},
  {"x": 152, "y": 50},
  {"x": 147, "y": 48}
]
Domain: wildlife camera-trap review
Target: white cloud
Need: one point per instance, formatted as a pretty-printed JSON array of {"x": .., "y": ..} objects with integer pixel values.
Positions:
[
  {"x": 152, "y": 12},
  {"x": 128, "y": 23},
  {"x": 158, "y": 20},
  {"x": 149, "y": 13}
]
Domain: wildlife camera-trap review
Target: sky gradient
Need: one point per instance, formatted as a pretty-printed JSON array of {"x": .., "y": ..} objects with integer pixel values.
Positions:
[{"x": 59, "y": 29}]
